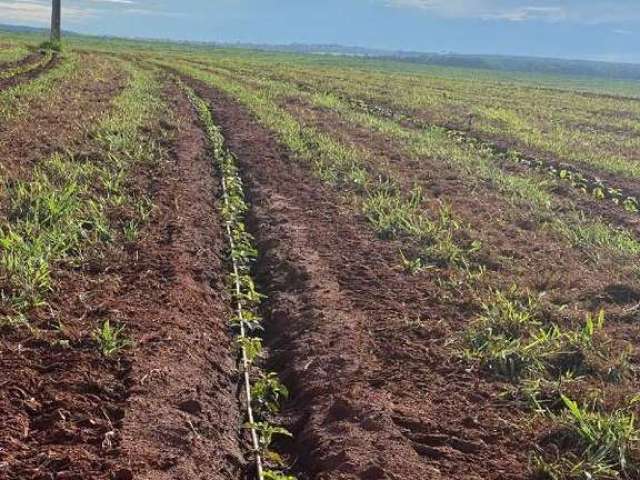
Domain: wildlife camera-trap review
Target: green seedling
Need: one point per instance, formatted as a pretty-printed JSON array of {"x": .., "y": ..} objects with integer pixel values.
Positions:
[
  {"x": 111, "y": 340},
  {"x": 411, "y": 265},
  {"x": 273, "y": 475},
  {"x": 511, "y": 341},
  {"x": 268, "y": 392},
  {"x": 252, "y": 347},
  {"x": 600, "y": 446},
  {"x": 248, "y": 293},
  {"x": 130, "y": 231},
  {"x": 251, "y": 321},
  {"x": 266, "y": 432},
  {"x": 144, "y": 208},
  {"x": 631, "y": 205}
]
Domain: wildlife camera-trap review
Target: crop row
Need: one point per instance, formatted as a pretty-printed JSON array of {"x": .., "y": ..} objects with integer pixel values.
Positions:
[
  {"x": 394, "y": 212},
  {"x": 598, "y": 130},
  {"x": 597, "y": 188},
  {"x": 60, "y": 215},
  {"x": 475, "y": 158},
  {"x": 362, "y": 98},
  {"x": 263, "y": 391}
]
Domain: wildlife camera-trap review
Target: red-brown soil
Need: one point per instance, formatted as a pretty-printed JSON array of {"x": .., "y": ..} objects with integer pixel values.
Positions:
[
  {"x": 378, "y": 391},
  {"x": 182, "y": 417},
  {"x": 166, "y": 407},
  {"x": 361, "y": 344},
  {"x": 63, "y": 121}
]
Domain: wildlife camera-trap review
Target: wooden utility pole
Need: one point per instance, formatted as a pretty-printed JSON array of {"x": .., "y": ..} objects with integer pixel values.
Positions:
[{"x": 55, "y": 21}]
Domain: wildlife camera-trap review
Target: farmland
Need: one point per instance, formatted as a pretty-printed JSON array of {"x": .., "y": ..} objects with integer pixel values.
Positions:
[{"x": 231, "y": 264}]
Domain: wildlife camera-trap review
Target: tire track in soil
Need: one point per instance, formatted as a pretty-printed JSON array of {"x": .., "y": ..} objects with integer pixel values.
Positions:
[
  {"x": 372, "y": 397},
  {"x": 24, "y": 77},
  {"x": 166, "y": 409},
  {"x": 26, "y": 60}
]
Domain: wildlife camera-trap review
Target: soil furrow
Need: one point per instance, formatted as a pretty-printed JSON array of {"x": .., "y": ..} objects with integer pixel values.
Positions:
[
  {"x": 182, "y": 416},
  {"x": 606, "y": 208},
  {"x": 506, "y": 231},
  {"x": 461, "y": 122},
  {"x": 367, "y": 403}
]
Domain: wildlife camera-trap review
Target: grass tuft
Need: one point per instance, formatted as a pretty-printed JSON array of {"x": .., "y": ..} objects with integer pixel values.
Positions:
[
  {"x": 51, "y": 45},
  {"x": 596, "y": 445},
  {"x": 513, "y": 342}
]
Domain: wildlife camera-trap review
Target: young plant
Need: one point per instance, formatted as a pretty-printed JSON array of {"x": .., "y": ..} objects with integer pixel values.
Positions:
[
  {"x": 511, "y": 342},
  {"x": 111, "y": 340},
  {"x": 509, "y": 316},
  {"x": 266, "y": 433},
  {"x": 268, "y": 392},
  {"x": 130, "y": 231},
  {"x": 411, "y": 265},
  {"x": 273, "y": 475},
  {"x": 252, "y": 347},
  {"x": 251, "y": 321}
]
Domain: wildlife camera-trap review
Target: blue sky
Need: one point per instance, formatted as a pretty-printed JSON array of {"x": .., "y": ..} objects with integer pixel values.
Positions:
[{"x": 591, "y": 29}]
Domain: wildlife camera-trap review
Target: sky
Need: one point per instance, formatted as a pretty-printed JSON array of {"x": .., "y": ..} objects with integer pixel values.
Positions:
[{"x": 582, "y": 29}]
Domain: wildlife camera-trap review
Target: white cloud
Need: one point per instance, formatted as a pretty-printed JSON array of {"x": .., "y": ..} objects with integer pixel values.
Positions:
[
  {"x": 160, "y": 13},
  {"x": 36, "y": 12},
  {"x": 125, "y": 2},
  {"x": 529, "y": 13},
  {"x": 580, "y": 11},
  {"x": 450, "y": 8}
]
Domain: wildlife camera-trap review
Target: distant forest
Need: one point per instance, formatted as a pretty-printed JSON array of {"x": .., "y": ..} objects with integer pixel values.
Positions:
[{"x": 622, "y": 71}]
